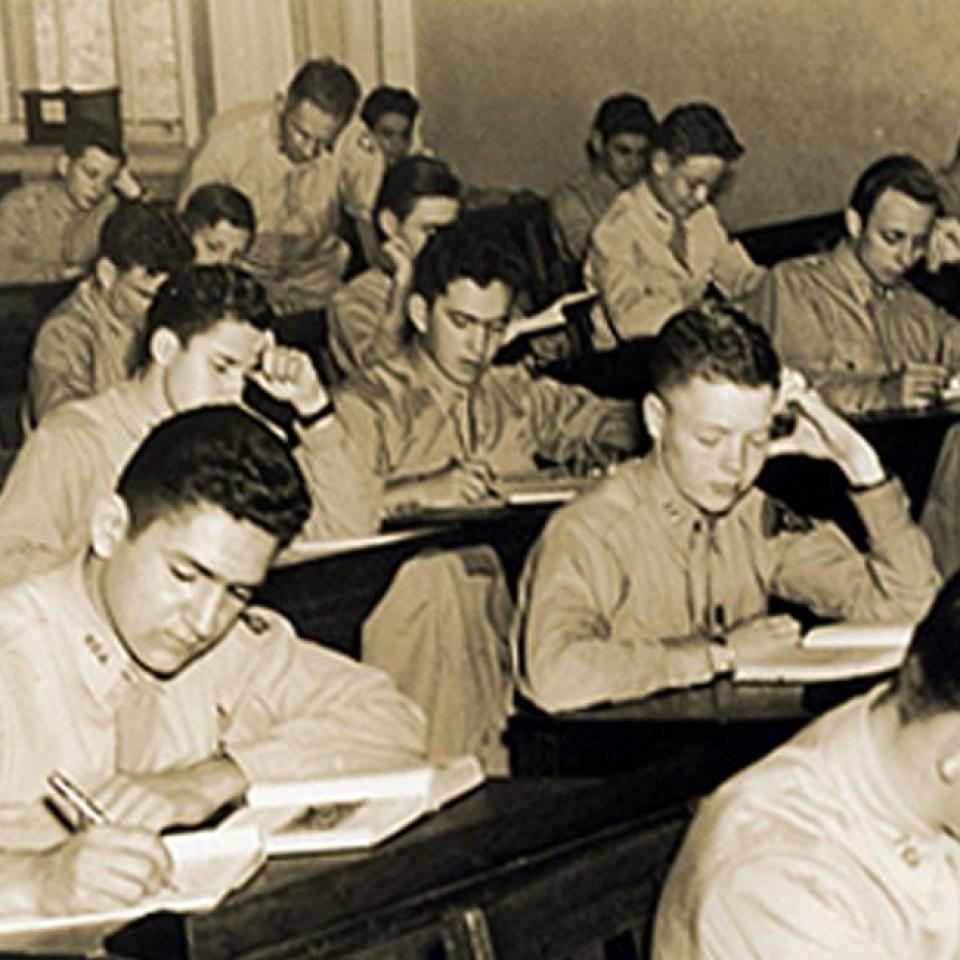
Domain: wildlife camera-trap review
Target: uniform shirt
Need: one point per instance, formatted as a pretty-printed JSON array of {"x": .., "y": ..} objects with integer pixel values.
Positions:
[
  {"x": 408, "y": 419},
  {"x": 45, "y": 236},
  {"x": 82, "y": 348},
  {"x": 577, "y": 207},
  {"x": 296, "y": 252},
  {"x": 811, "y": 854},
  {"x": 73, "y": 699},
  {"x": 827, "y": 318},
  {"x": 75, "y": 457},
  {"x": 627, "y": 583},
  {"x": 362, "y": 165},
  {"x": 360, "y": 330},
  {"x": 641, "y": 280}
]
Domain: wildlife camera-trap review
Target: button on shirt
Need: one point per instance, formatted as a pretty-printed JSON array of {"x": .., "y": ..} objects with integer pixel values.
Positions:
[
  {"x": 633, "y": 263},
  {"x": 82, "y": 348},
  {"x": 628, "y": 582},
  {"x": 71, "y": 698},
  {"x": 44, "y": 235},
  {"x": 812, "y": 854},
  {"x": 407, "y": 419},
  {"x": 827, "y": 318},
  {"x": 577, "y": 207},
  {"x": 296, "y": 252},
  {"x": 75, "y": 457}
]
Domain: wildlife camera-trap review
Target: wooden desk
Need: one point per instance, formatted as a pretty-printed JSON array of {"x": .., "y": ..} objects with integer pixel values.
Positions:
[{"x": 519, "y": 869}]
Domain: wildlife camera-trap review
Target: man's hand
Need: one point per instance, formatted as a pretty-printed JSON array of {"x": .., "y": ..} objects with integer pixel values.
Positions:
[
  {"x": 822, "y": 433},
  {"x": 943, "y": 246},
  {"x": 400, "y": 256},
  {"x": 99, "y": 868},
  {"x": 174, "y": 797},
  {"x": 127, "y": 185},
  {"x": 754, "y": 639},
  {"x": 921, "y": 384},
  {"x": 289, "y": 375},
  {"x": 454, "y": 486}
]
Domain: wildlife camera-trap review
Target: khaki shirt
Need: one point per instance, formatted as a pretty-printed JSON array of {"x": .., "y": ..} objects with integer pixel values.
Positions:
[
  {"x": 71, "y": 698},
  {"x": 628, "y": 582},
  {"x": 812, "y": 853},
  {"x": 362, "y": 165},
  {"x": 642, "y": 282},
  {"x": 81, "y": 349},
  {"x": 577, "y": 207},
  {"x": 45, "y": 236},
  {"x": 296, "y": 253},
  {"x": 360, "y": 331},
  {"x": 75, "y": 457},
  {"x": 829, "y": 320},
  {"x": 407, "y": 419}
]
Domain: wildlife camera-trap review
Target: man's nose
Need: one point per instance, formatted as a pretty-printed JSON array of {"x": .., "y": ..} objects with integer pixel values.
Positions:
[{"x": 203, "y": 611}]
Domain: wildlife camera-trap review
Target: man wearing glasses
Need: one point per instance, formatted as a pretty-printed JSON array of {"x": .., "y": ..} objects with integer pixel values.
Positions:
[{"x": 661, "y": 244}]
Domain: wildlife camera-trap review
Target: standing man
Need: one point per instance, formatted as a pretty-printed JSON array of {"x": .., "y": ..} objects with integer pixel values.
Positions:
[
  {"x": 282, "y": 156},
  {"x": 661, "y": 245}
]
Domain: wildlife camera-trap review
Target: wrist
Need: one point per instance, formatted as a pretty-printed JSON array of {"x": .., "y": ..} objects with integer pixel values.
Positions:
[
  {"x": 723, "y": 658},
  {"x": 315, "y": 413},
  {"x": 221, "y": 780},
  {"x": 864, "y": 471}
]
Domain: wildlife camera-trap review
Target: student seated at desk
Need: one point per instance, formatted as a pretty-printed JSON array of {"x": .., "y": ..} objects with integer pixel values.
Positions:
[
  {"x": 660, "y": 577},
  {"x": 661, "y": 243},
  {"x": 88, "y": 342},
  {"x": 437, "y": 422},
  {"x": 49, "y": 229},
  {"x": 283, "y": 157},
  {"x": 842, "y": 842},
  {"x": 368, "y": 317},
  {"x": 617, "y": 153},
  {"x": 220, "y": 222},
  {"x": 848, "y": 319},
  {"x": 138, "y": 667},
  {"x": 207, "y": 334}
]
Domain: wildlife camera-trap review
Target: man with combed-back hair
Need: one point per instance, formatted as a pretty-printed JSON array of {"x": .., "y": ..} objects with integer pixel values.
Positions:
[
  {"x": 140, "y": 668},
  {"x": 843, "y": 842},
  {"x": 660, "y": 576}
]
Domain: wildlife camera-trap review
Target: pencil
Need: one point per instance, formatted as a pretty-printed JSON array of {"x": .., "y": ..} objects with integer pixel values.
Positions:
[{"x": 82, "y": 804}]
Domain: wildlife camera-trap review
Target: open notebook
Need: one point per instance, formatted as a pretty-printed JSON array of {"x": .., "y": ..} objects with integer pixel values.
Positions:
[
  {"x": 839, "y": 651},
  {"x": 208, "y": 864},
  {"x": 346, "y": 813}
]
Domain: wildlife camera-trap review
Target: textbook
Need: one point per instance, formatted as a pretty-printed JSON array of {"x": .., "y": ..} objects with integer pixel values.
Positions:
[
  {"x": 207, "y": 865},
  {"x": 351, "y": 812},
  {"x": 836, "y": 652}
]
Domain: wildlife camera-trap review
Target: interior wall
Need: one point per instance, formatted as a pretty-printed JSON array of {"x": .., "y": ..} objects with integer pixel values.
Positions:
[{"x": 815, "y": 89}]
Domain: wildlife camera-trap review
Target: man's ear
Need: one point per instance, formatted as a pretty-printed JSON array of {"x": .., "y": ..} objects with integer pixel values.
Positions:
[
  {"x": 389, "y": 222},
  {"x": 660, "y": 163},
  {"x": 419, "y": 312},
  {"x": 654, "y": 414},
  {"x": 109, "y": 525},
  {"x": 106, "y": 272},
  {"x": 164, "y": 345},
  {"x": 596, "y": 143},
  {"x": 63, "y": 165},
  {"x": 853, "y": 222}
]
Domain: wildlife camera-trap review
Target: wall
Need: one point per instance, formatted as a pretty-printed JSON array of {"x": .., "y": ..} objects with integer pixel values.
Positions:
[{"x": 816, "y": 89}]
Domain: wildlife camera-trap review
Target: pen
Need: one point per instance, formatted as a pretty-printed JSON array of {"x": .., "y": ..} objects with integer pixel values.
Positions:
[{"x": 86, "y": 808}]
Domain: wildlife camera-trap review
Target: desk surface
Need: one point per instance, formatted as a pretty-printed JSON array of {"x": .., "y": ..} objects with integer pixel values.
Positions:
[{"x": 484, "y": 847}]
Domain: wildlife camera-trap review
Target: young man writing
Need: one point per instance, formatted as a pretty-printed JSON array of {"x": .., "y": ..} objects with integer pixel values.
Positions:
[
  {"x": 88, "y": 342},
  {"x": 138, "y": 667},
  {"x": 368, "y": 317},
  {"x": 661, "y": 576},
  {"x": 661, "y": 244},
  {"x": 208, "y": 332},
  {"x": 49, "y": 229}
]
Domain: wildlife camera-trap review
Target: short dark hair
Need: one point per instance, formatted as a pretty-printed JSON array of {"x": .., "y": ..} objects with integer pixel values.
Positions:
[
  {"x": 410, "y": 179},
  {"x": 901, "y": 172},
  {"x": 83, "y": 132},
  {"x": 148, "y": 235},
  {"x": 212, "y": 202},
  {"x": 928, "y": 681},
  {"x": 198, "y": 298},
  {"x": 326, "y": 84},
  {"x": 624, "y": 113},
  {"x": 714, "y": 342},
  {"x": 695, "y": 130},
  {"x": 384, "y": 99},
  {"x": 219, "y": 456},
  {"x": 473, "y": 248}
]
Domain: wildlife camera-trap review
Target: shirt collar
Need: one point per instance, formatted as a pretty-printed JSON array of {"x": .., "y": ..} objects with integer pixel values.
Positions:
[
  {"x": 104, "y": 665},
  {"x": 864, "y": 289},
  {"x": 428, "y": 375}
]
